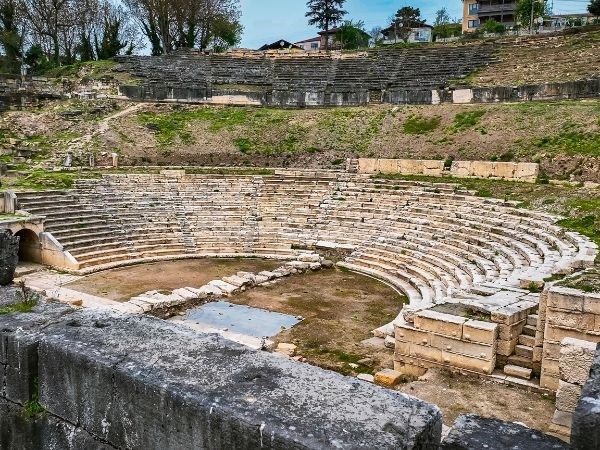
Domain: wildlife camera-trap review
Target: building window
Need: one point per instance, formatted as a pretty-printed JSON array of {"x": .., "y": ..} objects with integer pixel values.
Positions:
[
  {"x": 473, "y": 23},
  {"x": 473, "y": 9},
  {"x": 314, "y": 46}
]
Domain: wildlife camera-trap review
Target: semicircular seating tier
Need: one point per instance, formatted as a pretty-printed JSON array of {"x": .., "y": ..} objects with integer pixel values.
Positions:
[{"x": 432, "y": 242}]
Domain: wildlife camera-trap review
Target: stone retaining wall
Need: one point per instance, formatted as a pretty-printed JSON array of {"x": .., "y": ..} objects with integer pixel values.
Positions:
[
  {"x": 478, "y": 169},
  {"x": 489, "y": 169},
  {"x": 142, "y": 383},
  {"x": 575, "y": 362},
  {"x": 401, "y": 166},
  {"x": 564, "y": 313},
  {"x": 443, "y": 340},
  {"x": 585, "y": 434}
]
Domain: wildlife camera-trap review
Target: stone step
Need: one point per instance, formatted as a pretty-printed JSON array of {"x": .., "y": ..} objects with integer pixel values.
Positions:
[
  {"x": 522, "y": 361},
  {"x": 524, "y": 350},
  {"x": 517, "y": 371},
  {"x": 532, "y": 320},
  {"x": 529, "y": 330},
  {"x": 527, "y": 340}
]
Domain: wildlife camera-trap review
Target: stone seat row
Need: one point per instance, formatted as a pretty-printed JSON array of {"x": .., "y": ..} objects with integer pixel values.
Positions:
[{"x": 427, "y": 249}]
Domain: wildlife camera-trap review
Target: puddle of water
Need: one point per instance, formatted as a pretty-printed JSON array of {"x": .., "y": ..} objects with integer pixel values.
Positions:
[{"x": 241, "y": 319}]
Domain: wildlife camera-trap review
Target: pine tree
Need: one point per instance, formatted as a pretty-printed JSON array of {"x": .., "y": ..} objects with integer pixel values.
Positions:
[
  {"x": 594, "y": 8},
  {"x": 325, "y": 14}
]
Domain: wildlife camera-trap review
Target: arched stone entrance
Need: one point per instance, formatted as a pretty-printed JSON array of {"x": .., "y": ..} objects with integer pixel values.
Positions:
[{"x": 30, "y": 248}]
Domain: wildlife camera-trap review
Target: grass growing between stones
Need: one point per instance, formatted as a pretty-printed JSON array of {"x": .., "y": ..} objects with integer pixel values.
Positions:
[
  {"x": 32, "y": 407},
  {"x": 579, "y": 207},
  {"x": 588, "y": 281}
]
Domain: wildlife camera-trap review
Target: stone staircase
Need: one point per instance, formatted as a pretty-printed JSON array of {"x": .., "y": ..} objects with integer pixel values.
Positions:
[{"x": 520, "y": 364}]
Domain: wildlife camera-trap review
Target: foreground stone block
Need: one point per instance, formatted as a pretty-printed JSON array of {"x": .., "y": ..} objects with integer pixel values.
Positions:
[
  {"x": 576, "y": 358},
  {"x": 517, "y": 371},
  {"x": 388, "y": 377},
  {"x": 471, "y": 432},
  {"x": 585, "y": 432},
  {"x": 567, "y": 396},
  {"x": 142, "y": 383}
]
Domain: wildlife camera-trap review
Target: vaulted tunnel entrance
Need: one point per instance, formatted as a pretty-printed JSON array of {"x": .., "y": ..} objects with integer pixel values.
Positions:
[{"x": 30, "y": 248}]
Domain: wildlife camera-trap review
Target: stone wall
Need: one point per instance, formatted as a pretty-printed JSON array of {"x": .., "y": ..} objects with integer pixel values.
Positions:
[
  {"x": 564, "y": 313},
  {"x": 402, "y": 166},
  {"x": 585, "y": 434},
  {"x": 575, "y": 362},
  {"x": 18, "y": 92},
  {"x": 501, "y": 170},
  {"x": 479, "y": 169},
  {"x": 114, "y": 381},
  {"x": 430, "y": 338},
  {"x": 436, "y": 339}
]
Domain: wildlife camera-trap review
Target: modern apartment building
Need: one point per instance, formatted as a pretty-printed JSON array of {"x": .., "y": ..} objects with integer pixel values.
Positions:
[{"x": 477, "y": 12}]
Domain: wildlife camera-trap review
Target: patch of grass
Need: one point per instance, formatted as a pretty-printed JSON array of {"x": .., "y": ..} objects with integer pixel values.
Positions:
[
  {"x": 9, "y": 217},
  {"x": 32, "y": 407},
  {"x": 92, "y": 69},
  {"x": 26, "y": 301},
  {"x": 421, "y": 125},
  {"x": 465, "y": 120},
  {"x": 41, "y": 180},
  {"x": 588, "y": 281},
  {"x": 571, "y": 142}
]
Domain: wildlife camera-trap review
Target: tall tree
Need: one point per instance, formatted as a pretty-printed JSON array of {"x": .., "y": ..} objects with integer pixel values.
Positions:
[
  {"x": 12, "y": 33},
  {"x": 325, "y": 14},
  {"x": 442, "y": 17},
  {"x": 523, "y": 10},
  {"x": 376, "y": 36},
  {"x": 594, "y": 7},
  {"x": 352, "y": 35},
  {"x": 405, "y": 20}
]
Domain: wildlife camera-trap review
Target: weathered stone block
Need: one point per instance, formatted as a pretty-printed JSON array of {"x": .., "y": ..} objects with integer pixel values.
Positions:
[
  {"x": 388, "y": 377},
  {"x": 480, "y": 331},
  {"x": 567, "y": 396},
  {"x": 429, "y": 353},
  {"x": 406, "y": 333},
  {"x": 585, "y": 434},
  {"x": 486, "y": 366},
  {"x": 571, "y": 319},
  {"x": 436, "y": 322},
  {"x": 564, "y": 298},
  {"x": 576, "y": 358},
  {"x": 475, "y": 350},
  {"x": 506, "y": 348},
  {"x": 510, "y": 332},
  {"x": 471, "y": 432},
  {"x": 591, "y": 303},
  {"x": 109, "y": 372},
  {"x": 517, "y": 371}
]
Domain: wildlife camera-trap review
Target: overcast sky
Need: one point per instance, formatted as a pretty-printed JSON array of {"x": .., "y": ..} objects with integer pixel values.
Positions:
[{"x": 266, "y": 21}]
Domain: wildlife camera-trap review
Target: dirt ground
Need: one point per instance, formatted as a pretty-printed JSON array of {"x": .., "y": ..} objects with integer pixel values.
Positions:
[
  {"x": 124, "y": 283},
  {"x": 338, "y": 315},
  {"x": 457, "y": 394},
  {"x": 344, "y": 311}
]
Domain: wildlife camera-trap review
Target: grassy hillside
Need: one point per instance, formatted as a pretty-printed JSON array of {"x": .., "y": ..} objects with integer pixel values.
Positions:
[{"x": 564, "y": 137}]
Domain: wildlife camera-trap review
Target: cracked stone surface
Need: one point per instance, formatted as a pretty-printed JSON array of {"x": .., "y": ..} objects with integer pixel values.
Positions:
[
  {"x": 471, "y": 432},
  {"x": 141, "y": 383}
]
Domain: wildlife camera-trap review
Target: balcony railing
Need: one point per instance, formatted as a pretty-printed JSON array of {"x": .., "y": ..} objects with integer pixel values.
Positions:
[{"x": 496, "y": 8}]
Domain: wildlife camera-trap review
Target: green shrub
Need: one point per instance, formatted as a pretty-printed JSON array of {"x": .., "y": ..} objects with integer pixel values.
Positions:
[
  {"x": 466, "y": 120},
  {"x": 420, "y": 124}
]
